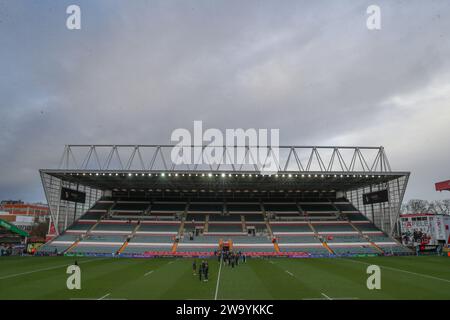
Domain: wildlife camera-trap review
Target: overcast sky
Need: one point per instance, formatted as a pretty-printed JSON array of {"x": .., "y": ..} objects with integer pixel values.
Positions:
[{"x": 137, "y": 70}]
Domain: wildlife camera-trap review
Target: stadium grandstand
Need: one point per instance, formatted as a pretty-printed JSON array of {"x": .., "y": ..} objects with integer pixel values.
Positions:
[{"x": 134, "y": 201}]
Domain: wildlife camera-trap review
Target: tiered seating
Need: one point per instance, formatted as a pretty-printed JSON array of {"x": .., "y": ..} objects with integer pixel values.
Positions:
[
  {"x": 250, "y": 239},
  {"x": 290, "y": 223},
  {"x": 152, "y": 239},
  {"x": 354, "y": 216},
  {"x": 96, "y": 249},
  {"x": 380, "y": 238},
  {"x": 80, "y": 226},
  {"x": 317, "y": 207},
  {"x": 320, "y": 215},
  {"x": 99, "y": 244},
  {"x": 366, "y": 227},
  {"x": 115, "y": 227},
  {"x": 332, "y": 228},
  {"x": 67, "y": 237},
  {"x": 140, "y": 244},
  {"x": 204, "y": 239},
  {"x": 224, "y": 228},
  {"x": 52, "y": 248},
  {"x": 345, "y": 238},
  {"x": 131, "y": 206},
  {"x": 92, "y": 215},
  {"x": 345, "y": 207},
  {"x": 291, "y": 228},
  {"x": 103, "y": 205},
  {"x": 220, "y": 217},
  {"x": 206, "y": 207},
  {"x": 191, "y": 226},
  {"x": 259, "y": 228},
  {"x": 167, "y": 207},
  {"x": 243, "y": 208},
  {"x": 142, "y": 250},
  {"x": 253, "y": 217},
  {"x": 195, "y": 217},
  {"x": 297, "y": 239},
  {"x": 99, "y": 209},
  {"x": 158, "y": 228},
  {"x": 281, "y": 207},
  {"x": 104, "y": 238}
]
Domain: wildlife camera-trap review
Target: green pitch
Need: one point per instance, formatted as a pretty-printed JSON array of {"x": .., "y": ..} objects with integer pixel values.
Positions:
[{"x": 170, "y": 278}]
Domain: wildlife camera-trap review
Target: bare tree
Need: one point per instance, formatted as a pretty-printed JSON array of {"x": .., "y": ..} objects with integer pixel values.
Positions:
[
  {"x": 424, "y": 206},
  {"x": 417, "y": 206},
  {"x": 404, "y": 208},
  {"x": 445, "y": 204},
  {"x": 435, "y": 207}
]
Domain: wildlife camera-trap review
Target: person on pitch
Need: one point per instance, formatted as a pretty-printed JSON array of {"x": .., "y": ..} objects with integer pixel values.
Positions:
[{"x": 194, "y": 267}]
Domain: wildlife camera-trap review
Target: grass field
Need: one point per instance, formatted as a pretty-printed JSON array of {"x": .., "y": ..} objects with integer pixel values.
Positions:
[{"x": 279, "y": 278}]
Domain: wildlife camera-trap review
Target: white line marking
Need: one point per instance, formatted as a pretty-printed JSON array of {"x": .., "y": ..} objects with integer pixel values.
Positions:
[
  {"x": 401, "y": 270},
  {"x": 150, "y": 272},
  {"x": 97, "y": 299},
  {"x": 106, "y": 295},
  {"x": 327, "y": 297},
  {"x": 218, "y": 279},
  {"x": 289, "y": 273},
  {"x": 349, "y": 298},
  {"x": 271, "y": 262},
  {"x": 45, "y": 269}
]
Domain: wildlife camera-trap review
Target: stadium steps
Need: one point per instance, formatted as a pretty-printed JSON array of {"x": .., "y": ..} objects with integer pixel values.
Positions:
[
  {"x": 174, "y": 247},
  {"x": 180, "y": 233},
  {"x": 354, "y": 227},
  {"x": 362, "y": 235},
  {"x": 73, "y": 245},
  {"x": 244, "y": 229},
  {"x": 312, "y": 228},
  {"x": 109, "y": 212},
  {"x": 112, "y": 207},
  {"x": 276, "y": 246},
  {"x": 326, "y": 246},
  {"x": 376, "y": 247},
  {"x": 337, "y": 209},
  {"x": 269, "y": 228},
  {"x": 205, "y": 228},
  {"x": 302, "y": 212},
  {"x": 180, "y": 230},
  {"x": 94, "y": 226},
  {"x": 263, "y": 209},
  {"x": 125, "y": 243}
]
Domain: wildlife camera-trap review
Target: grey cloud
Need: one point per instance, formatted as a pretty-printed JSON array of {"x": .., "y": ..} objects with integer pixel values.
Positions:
[{"x": 137, "y": 70}]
